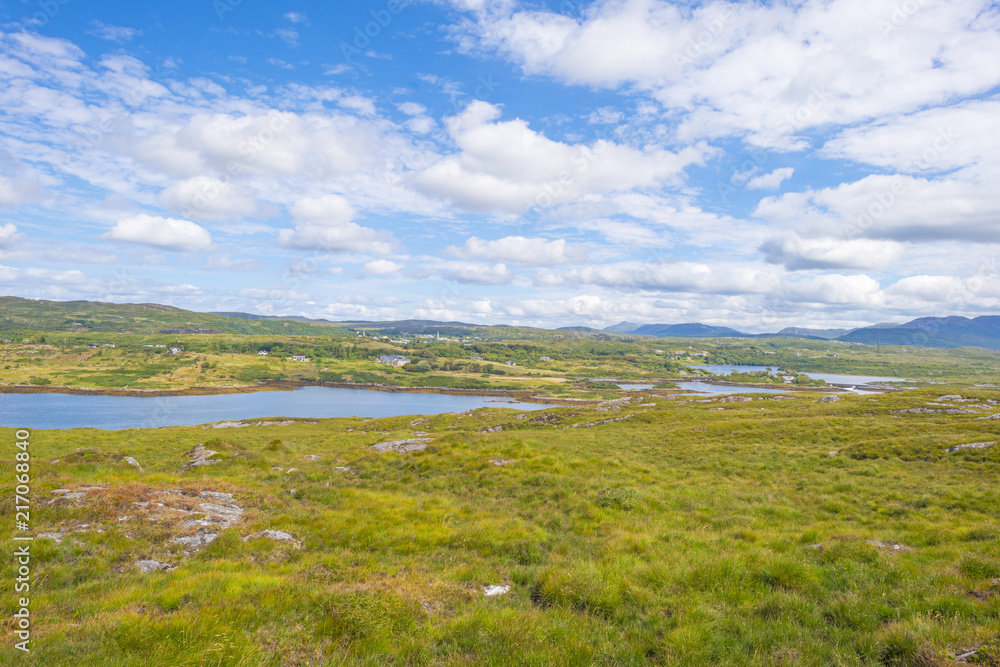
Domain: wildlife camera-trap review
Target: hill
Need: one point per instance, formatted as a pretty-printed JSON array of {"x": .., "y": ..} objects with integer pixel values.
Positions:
[
  {"x": 933, "y": 332},
  {"x": 17, "y": 314},
  {"x": 687, "y": 330}
]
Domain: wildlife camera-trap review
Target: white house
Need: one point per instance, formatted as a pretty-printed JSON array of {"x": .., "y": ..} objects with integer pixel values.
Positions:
[
  {"x": 393, "y": 360},
  {"x": 261, "y": 353},
  {"x": 299, "y": 357}
]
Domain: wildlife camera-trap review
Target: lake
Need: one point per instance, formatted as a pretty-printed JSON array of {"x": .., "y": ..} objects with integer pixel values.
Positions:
[
  {"x": 830, "y": 378},
  {"x": 719, "y": 389},
  {"x": 725, "y": 369},
  {"x": 59, "y": 411}
]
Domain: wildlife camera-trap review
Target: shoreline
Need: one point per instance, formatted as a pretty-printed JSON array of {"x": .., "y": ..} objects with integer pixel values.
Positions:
[{"x": 524, "y": 395}]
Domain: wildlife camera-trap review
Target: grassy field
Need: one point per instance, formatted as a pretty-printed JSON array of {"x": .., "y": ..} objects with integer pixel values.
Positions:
[{"x": 693, "y": 532}]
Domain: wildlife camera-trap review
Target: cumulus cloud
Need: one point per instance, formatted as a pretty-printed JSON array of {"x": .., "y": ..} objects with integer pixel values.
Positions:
[
  {"x": 798, "y": 253},
  {"x": 763, "y": 71},
  {"x": 901, "y": 208},
  {"x": 8, "y": 234},
  {"x": 855, "y": 290},
  {"x": 506, "y": 166},
  {"x": 667, "y": 277},
  {"x": 380, "y": 267},
  {"x": 519, "y": 250},
  {"x": 325, "y": 224},
  {"x": 934, "y": 289},
  {"x": 771, "y": 180},
  {"x": 159, "y": 232},
  {"x": 482, "y": 274},
  {"x": 208, "y": 198}
]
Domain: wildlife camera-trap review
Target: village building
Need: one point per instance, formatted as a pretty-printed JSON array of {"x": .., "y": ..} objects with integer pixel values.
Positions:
[{"x": 393, "y": 360}]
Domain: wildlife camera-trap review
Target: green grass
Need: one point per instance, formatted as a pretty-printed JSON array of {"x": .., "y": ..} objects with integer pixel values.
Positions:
[{"x": 682, "y": 536}]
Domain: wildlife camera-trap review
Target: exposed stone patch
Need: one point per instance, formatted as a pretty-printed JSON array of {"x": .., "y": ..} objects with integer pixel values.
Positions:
[
  {"x": 930, "y": 411},
  {"x": 132, "y": 462},
  {"x": 501, "y": 462},
  {"x": 199, "y": 455},
  {"x": 275, "y": 535},
  {"x": 971, "y": 445},
  {"x": 890, "y": 546},
  {"x": 312, "y": 457},
  {"x": 829, "y": 399},
  {"x": 495, "y": 589},
  {"x": 195, "y": 542},
  {"x": 57, "y": 537},
  {"x": 243, "y": 424},
  {"x": 598, "y": 423},
  {"x": 625, "y": 400},
  {"x": 493, "y": 429},
  {"x": 402, "y": 446},
  {"x": 153, "y": 566}
]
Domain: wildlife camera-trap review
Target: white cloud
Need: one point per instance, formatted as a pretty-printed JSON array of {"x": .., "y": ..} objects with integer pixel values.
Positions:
[
  {"x": 797, "y": 253},
  {"x": 288, "y": 36},
  {"x": 325, "y": 224},
  {"x": 208, "y": 198},
  {"x": 296, "y": 17},
  {"x": 766, "y": 71},
  {"x": 692, "y": 277},
  {"x": 159, "y": 232},
  {"x": 272, "y": 294},
  {"x": 113, "y": 33},
  {"x": 412, "y": 108},
  {"x": 482, "y": 274},
  {"x": 902, "y": 208},
  {"x": 934, "y": 289},
  {"x": 772, "y": 180},
  {"x": 8, "y": 234},
  {"x": 856, "y": 290},
  {"x": 9, "y": 195},
  {"x": 520, "y": 250},
  {"x": 506, "y": 166},
  {"x": 380, "y": 267}
]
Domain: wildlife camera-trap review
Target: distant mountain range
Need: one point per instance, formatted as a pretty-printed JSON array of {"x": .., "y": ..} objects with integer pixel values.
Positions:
[
  {"x": 18, "y": 314},
  {"x": 925, "y": 331}
]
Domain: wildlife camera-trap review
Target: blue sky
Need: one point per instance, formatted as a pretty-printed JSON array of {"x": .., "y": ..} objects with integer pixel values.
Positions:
[{"x": 756, "y": 165}]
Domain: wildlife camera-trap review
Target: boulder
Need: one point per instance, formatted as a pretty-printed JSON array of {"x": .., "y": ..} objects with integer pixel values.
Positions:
[
  {"x": 971, "y": 445},
  {"x": 402, "y": 446},
  {"x": 199, "y": 455}
]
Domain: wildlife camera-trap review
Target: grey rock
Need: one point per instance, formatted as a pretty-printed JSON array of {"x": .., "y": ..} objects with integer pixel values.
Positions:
[
  {"x": 312, "y": 457},
  {"x": 152, "y": 565},
  {"x": 277, "y": 536},
  {"x": 216, "y": 495},
  {"x": 402, "y": 446},
  {"x": 132, "y": 462},
  {"x": 224, "y": 515},
  {"x": 829, "y": 399},
  {"x": 971, "y": 445},
  {"x": 890, "y": 546},
  {"x": 199, "y": 455},
  {"x": 195, "y": 542}
]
